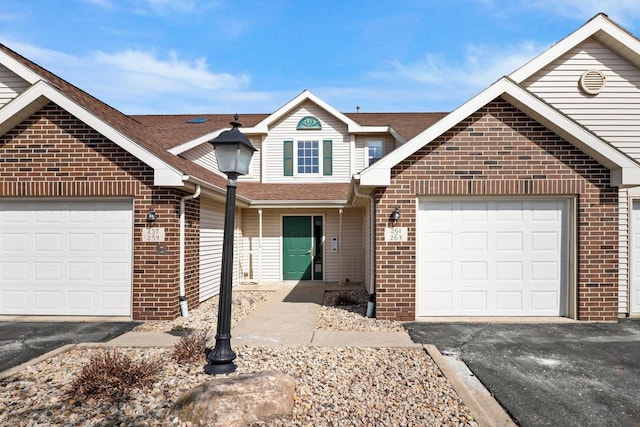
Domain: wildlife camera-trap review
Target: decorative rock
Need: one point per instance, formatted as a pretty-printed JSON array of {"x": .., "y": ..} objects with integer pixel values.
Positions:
[{"x": 237, "y": 401}]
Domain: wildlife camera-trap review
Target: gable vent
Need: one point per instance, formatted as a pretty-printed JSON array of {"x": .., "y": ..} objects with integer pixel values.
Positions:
[{"x": 592, "y": 82}]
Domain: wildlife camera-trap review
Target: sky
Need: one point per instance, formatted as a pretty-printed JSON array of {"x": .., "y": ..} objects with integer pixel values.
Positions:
[{"x": 239, "y": 56}]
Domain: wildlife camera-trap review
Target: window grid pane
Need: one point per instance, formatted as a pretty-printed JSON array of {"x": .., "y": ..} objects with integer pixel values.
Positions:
[
  {"x": 308, "y": 157},
  {"x": 374, "y": 151}
]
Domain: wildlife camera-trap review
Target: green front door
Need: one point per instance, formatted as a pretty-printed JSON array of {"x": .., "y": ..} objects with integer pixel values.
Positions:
[{"x": 296, "y": 247}]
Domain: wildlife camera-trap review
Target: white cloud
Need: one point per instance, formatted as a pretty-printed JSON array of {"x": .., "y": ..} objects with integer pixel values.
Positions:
[
  {"x": 621, "y": 11},
  {"x": 100, "y": 3},
  {"x": 447, "y": 83},
  {"x": 138, "y": 81},
  {"x": 624, "y": 12}
]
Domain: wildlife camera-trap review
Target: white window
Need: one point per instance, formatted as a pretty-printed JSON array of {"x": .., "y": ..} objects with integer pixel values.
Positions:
[
  {"x": 308, "y": 157},
  {"x": 374, "y": 151}
]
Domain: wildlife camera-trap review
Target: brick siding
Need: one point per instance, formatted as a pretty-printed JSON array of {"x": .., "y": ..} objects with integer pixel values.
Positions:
[
  {"x": 500, "y": 151},
  {"x": 53, "y": 154}
]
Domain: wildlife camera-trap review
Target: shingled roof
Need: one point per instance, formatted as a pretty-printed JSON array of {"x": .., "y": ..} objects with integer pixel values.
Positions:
[{"x": 159, "y": 133}]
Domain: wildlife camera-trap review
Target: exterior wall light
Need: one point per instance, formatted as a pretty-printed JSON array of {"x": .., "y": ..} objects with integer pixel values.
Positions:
[
  {"x": 395, "y": 215},
  {"x": 151, "y": 215},
  {"x": 233, "y": 151}
]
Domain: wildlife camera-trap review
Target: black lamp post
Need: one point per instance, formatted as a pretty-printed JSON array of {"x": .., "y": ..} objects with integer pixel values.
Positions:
[{"x": 234, "y": 151}]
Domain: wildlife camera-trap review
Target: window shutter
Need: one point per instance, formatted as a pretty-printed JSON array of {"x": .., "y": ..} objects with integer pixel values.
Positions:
[
  {"x": 288, "y": 158},
  {"x": 327, "y": 157}
]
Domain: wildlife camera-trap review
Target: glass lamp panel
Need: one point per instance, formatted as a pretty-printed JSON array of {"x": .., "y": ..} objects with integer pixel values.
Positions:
[
  {"x": 245, "y": 153},
  {"x": 227, "y": 155}
]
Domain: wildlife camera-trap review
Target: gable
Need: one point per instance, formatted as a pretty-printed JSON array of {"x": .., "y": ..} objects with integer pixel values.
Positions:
[
  {"x": 287, "y": 128},
  {"x": 52, "y": 151},
  {"x": 612, "y": 114},
  {"x": 499, "y": 142},
  {"x": 624, "y": 170},
  {"x": 11, "y": 85}
]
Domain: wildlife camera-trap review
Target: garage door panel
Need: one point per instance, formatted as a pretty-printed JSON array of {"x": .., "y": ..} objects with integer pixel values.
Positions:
[
  {"x": 544, "y": 300},
  {"x": 473, "y": 301},
  {"x": 634, "y": 296},
  {"x": 509, "y": 241},
  {"x": 500, "y": 254},
  {"x": 511, "y": 300},
  {"x": 66, "y": 258}
]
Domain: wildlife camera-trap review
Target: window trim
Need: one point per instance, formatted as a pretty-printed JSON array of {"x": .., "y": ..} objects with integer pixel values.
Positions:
[{"x": 368, "y": 158}]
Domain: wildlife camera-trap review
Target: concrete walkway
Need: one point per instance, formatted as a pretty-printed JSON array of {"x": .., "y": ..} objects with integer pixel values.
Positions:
[{"x": 286, "y": 318}]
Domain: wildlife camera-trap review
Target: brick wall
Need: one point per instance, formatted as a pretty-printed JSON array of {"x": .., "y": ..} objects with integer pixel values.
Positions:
[
  {"x": 500, "y": 151},
  {"x": 53, "y": 154}
]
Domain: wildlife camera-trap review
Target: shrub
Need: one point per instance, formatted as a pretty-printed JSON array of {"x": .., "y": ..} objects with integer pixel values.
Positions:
[
  {"x": 191, "y": 347},
  {"x": 112, "y": 375}
]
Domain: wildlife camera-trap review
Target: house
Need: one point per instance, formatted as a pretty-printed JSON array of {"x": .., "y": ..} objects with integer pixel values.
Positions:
[
  {"x": 521, "y": 202},
  {"x": 104, "y": 214}
]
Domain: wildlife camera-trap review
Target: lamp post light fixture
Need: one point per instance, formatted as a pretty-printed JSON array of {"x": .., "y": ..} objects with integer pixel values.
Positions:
[{"x": 234, "y": 151}]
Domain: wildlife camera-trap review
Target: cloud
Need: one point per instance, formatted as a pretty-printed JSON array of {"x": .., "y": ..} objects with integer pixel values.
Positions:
[
  {"x": 624, "y": 12},
  {"x": 170, "y": 74},
  {"x": 139, "y": 81},
  {"x": 447, "y": 83},
  {"x": 169, "y": 7},
  {"x": 106, "y": 4}
]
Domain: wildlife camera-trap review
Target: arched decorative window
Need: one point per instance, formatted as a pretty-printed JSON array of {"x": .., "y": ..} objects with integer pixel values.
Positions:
[{"x": 309, "y": 123}]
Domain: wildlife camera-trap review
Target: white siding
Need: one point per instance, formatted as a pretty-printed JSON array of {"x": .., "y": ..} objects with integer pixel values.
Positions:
[
  {"x": 361, "y": 157},
  {"x": 271, "y": 229},
  {"x": 351, "y": 253},
  {"x": 211, "y": 233},
  {"x": 350, "y": 257},
  {"x": 613, "y": 114},
  {"x": 205, "y": 156},
  {"x": 11, "y": 85},
  {"x": 285, "y": 129},
  {"x": 623, "y": 250}
]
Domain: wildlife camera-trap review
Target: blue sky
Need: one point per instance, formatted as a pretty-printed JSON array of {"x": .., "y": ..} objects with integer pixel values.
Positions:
[{"x": 188, "y": 56}]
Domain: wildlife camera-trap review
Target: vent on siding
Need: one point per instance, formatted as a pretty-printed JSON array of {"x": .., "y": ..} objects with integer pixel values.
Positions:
[{"x": 592, "y": 82}]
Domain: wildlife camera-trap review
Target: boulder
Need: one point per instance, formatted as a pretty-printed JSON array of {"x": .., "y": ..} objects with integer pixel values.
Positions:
[{"x": 237, "y": 401}]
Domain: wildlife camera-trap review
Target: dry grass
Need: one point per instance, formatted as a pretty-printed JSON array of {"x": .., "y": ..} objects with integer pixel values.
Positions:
[
  {"x": 191, "y": 348},
  {"x": 111, "y": 375}
]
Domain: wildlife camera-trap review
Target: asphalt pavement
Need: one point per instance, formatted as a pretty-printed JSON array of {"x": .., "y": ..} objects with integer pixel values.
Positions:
[
  {"x": 21, "y": 342},
  {"x": 569, "y": 374}
]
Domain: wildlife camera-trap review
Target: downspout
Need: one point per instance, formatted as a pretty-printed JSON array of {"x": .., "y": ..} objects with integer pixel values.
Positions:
[
  {"x": 184, "y": 309},
  {"x": 260, "y": 245},
  {"x": 340, "y": 249},
  {"x": 371, "y": 306}
]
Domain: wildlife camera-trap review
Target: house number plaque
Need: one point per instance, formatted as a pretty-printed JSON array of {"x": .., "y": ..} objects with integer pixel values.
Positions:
[
  {"x": 395, "y": 234},
  {"x": 153, "y": 234}
]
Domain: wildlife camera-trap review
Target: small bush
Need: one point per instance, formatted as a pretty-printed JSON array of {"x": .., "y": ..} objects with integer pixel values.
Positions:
[
  {"x": 112, "y": 375},
  {"x": 191, "y": 348}
]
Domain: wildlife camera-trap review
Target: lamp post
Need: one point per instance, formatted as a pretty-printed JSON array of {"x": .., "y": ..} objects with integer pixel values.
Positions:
[{"x": 234, "y": 151}]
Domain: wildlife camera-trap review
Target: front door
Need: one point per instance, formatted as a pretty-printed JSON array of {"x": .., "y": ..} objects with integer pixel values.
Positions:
[{"x": 296, "y": 247}]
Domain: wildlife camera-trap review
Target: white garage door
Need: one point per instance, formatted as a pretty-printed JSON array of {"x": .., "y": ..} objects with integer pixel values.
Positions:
[
  {"x": 492, "y": 258},
  {"x": 635, "y": 259},
  {"x": 211, "y": 237},
  {"x": 65, "y": 258}
]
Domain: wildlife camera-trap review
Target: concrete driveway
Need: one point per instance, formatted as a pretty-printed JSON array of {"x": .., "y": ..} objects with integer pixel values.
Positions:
[
  {"x": 570, "y": 374},
  {"x": 24, "y": 341}
]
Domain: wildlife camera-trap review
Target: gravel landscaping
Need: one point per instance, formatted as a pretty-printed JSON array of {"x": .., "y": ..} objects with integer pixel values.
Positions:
[{"x": 334, "y": 386}]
